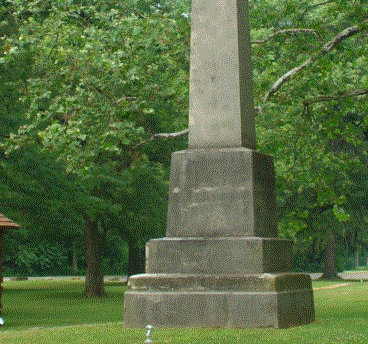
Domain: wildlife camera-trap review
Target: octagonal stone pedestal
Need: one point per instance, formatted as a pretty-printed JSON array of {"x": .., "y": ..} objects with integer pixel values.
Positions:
[
  {"x": 221, "y": 264},
  {"x": 185, "y": 300}
]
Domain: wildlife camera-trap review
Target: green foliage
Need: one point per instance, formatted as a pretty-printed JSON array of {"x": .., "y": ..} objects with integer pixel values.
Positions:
[
  {"x": 311, "y": 125},
  {"x": 85, "y": 83},
  {"x": 40, "y": 257},
  {"x": 92, "y": 80}
]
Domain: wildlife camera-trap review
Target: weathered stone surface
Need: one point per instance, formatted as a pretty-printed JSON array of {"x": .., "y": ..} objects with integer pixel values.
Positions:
[
  {"x": 175, "y": 309},
  {"x": 295, "y": 308},
  {"x": 218, "y": 255},
  {"x": 218, "y": 309},
  {"x": 220, "y": 264},
  {"x": 221, "y": 192},
  {"x": 221, "y": 110},
  {"x": 276, "y": 282}
]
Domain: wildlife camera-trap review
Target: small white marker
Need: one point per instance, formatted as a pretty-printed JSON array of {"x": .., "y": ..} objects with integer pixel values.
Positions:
[
  {"x": 1, "y": 321},
  {"x": 148, "y": 334}
]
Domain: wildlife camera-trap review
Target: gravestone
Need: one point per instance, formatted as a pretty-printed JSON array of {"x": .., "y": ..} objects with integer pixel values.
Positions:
[{"x": 221, "y": 263}]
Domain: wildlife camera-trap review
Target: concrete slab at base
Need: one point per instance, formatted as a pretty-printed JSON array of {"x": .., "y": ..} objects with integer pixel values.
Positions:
[
  {"x": 219, "y": 309},
  {"x": 277, "y": 282}
]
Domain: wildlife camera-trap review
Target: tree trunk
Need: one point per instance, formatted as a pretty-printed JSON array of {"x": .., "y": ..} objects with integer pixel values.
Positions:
[
  {"x": 94, "y": 276},
  {"x": 136, "y": 258},
  {"x": 329, "y": 269},
  {"x": 74, "y": 260}
]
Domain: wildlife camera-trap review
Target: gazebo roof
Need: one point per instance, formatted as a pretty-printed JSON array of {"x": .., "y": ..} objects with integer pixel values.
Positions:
[{"x": 5, "y": 223}]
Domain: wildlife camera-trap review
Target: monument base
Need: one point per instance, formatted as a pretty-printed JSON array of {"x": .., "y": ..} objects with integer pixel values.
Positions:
[
  {"x": 227, "y": 192},
  {"x": 237, "y": 255},
  {"x": 221, "y": 263},
  {"x": 235, "y": 301}
]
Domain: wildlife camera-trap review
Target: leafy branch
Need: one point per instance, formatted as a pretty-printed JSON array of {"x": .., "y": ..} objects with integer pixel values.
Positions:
[
  {"x": 126, "y": 98},
  {"x": 338, "y": 96},
  {"x": 315, "y": 6},
  {"x": 286, "y": 77},
  {"x": 326, "y": 48},
  {"x": 290, "y": 32},
  {"x": 164, "y": 136},
  {"x": 111, "y": 100},
  {"x": 135, "y": 153}
]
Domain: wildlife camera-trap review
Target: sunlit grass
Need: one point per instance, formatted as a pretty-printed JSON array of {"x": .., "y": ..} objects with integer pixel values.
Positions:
[
  {"x": 28, "y": 304},
  {"x": 341, "y": 317}
]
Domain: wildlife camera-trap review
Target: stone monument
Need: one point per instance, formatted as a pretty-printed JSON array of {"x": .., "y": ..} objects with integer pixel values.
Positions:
[{"x": 221, "y": 263}]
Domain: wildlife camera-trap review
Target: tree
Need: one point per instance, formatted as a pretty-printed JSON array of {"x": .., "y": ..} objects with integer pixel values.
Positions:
[
  {"x": 95, "y": 85},
  {"x": 310, "y": 83},
  {"x": 100, "y": 84}
]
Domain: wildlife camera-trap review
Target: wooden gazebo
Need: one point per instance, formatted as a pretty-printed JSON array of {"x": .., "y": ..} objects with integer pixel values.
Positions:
[{"x": 5, "y": 223}]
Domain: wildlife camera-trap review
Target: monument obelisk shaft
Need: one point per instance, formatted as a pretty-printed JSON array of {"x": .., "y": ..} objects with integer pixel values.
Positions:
[
  {"x": 221, "y": 263},
  {"x": 221, "y": 111}
]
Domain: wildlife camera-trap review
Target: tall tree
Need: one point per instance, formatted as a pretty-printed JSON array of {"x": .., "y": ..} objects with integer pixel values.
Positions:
[
  {"x": 310, "y": 75},
  {"x": 94, "y": 84},
  {"x": 101, "y": 83}
]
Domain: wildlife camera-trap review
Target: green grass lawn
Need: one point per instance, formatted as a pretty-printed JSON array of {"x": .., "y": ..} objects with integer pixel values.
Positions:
[
  {"x": 28, "y": 304},
  {"x": 55, "y": 312}
]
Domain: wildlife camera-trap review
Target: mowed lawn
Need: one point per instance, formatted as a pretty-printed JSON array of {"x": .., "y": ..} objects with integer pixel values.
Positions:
[{"x": 55, "y": 312}]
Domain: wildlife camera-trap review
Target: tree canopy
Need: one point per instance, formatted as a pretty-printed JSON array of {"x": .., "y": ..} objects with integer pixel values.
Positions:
[
  {"x": 89, "y": 89},
  {"x": 311, "y": 85}
]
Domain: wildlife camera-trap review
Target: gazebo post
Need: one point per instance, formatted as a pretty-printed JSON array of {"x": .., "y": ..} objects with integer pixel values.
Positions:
[
  {"x": 1, "y": 267},
  {"x": 5, "y": 223}
]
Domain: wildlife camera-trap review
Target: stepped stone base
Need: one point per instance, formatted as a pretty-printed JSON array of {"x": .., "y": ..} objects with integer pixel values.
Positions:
[
  {"x": 221, "y": 263},
  {"x": 182, "y": 300},
  {"x": 237, "y": 255}
]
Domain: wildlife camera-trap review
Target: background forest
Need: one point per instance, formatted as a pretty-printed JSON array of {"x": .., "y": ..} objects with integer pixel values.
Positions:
[{"x": 89, "y": 88}]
